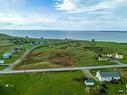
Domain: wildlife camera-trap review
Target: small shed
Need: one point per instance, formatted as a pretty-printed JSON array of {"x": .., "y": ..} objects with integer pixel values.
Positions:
[{"x": 89, "y": 82}]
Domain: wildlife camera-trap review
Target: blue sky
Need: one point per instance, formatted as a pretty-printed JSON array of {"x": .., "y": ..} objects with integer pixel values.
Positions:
[{"x": 64, "y": 14}]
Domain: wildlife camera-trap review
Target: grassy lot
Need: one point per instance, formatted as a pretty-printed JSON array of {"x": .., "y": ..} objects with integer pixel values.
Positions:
[
  {"x": 2, "y": 67},
  {"x": 118, "y": 47},
  {"x": 61, "y": 83},
  {"x": 72, "y": 53},
  {"x": 61, "y": 53}
]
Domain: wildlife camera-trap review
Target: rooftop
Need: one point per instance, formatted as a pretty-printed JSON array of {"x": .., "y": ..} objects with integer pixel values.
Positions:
[
  {"x": 88, "y": 81},
  {"x": 109, "y": 74}
]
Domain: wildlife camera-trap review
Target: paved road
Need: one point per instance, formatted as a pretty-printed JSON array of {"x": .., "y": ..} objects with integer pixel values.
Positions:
[
  {"x": 11, "y": 66},
  {"x": 62, "y": 69}
]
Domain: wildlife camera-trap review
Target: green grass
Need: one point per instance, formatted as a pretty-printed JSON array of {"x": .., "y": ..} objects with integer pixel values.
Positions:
[
  {"x": 17, "y": 55},
  {"x": 2, "y": 67},
  {"x": 7, "y": 46},
  {"x": 113, "y": 88},
  {"x": 119, "y": 47},
  {"x": 61, "y": 83},
  {"x": 82, "y": 53}
]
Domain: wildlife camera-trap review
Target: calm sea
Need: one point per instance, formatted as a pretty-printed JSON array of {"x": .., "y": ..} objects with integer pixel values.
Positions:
[{"x": 112, "y": 36}]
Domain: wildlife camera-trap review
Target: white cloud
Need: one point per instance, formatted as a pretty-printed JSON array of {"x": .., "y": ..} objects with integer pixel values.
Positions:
[
  {"x": 76, "y": 14},
  {"x": 80, "y": 6},
  {"x": 66, "y": 5}
]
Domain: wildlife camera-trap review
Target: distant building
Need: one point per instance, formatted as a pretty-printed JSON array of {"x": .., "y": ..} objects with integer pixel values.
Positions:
[
  {"x": 36, "y": 43},
  {"x": 109, "y": 55},
  {"x": 1, "y": 61},
  {"x": 31, "y": 43},
  {"x": 51, "y": 46},
  {"x": 107, "y": 76},
  {"x": 16, "y": 50},
  {"x": 7, "y": 55},
  {"x": 103, "y": 58},
  {"x": 42, "y": 42},
  {"x": 89, "y": 83},
  {"x": 117, "y": 56}
]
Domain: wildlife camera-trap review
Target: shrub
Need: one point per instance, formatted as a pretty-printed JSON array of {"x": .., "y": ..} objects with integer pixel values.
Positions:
[
  {"x": 102, "y": 91},
  {"x": 104, "y": 86},
  {"x": 82, "y": 78}
]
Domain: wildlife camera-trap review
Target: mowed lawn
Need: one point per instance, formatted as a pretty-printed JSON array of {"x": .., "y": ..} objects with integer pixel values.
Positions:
[{"x": 60, "y": 83}]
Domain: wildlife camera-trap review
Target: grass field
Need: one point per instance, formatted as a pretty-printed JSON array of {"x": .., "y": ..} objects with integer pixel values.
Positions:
[
  {"x": 60, "y": 53},
  {"x": 63, "y": 53},
  {"x": 71, "y": 54},
  {"x": 61, "y": 83},
  {"x": 2, "y": 67}
]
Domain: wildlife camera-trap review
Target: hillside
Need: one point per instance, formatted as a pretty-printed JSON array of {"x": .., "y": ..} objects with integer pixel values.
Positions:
[
  {"x": 5, "y": 43},
  {"x": 4, "y": 39}
]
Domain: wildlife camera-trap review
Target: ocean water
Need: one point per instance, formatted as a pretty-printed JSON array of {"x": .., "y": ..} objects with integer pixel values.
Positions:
[{"x": 112, "y": 36}]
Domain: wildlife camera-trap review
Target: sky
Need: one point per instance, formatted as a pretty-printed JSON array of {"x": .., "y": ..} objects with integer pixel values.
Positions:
[{"x": 64, "y": 14}]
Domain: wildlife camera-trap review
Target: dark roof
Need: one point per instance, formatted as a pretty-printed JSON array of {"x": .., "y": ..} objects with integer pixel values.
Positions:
[
  {"x": 89, "y": 81},
  {"x": 109, "y": 74}
]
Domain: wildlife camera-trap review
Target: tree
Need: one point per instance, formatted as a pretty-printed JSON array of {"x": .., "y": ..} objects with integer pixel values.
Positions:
[
  {"x": 102, "y": 91},
  {"x": 93, "y": 42},
  {"x": 26, "y": 37},
  {"x": 42, "y": 38}
]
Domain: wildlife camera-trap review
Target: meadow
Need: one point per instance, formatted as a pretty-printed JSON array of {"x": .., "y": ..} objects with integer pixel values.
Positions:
[
  {"x": 60, "y": 83},
  {"x": 72, "y": 54},
  {"x": 57, "y": 54}
]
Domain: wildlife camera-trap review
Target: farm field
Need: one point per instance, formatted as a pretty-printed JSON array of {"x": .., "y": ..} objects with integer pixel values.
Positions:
[{"x": 71, "y": 54}]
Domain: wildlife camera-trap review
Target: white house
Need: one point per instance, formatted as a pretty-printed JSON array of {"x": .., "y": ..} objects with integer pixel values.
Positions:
[
  {"x": 103, "y": 58},
  {"x": 1, "y": 61},
  {"x": 42, "y": 42},
  {"x": 107, "y": 76},
  {"x": 109, "y": 55},
  {"x": 89, "y": 83},
  {"x": 117, "y": 56}
]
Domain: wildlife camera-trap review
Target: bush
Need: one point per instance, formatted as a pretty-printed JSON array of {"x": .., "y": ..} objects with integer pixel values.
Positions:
[
  {"x": 82, "y": 78},
  {"x": 104, "y": 86},
  {"x": 102, "y": 91}
]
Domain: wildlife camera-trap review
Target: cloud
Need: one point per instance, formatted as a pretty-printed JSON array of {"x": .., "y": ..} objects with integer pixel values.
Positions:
[
  {"x": 81, "y": 6},
  {"x": 67, "y": 14},
  {"x": 25, "y": 20},
  {"x": 120, "y": 9},
  {"x": 67, "y": 5}
]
